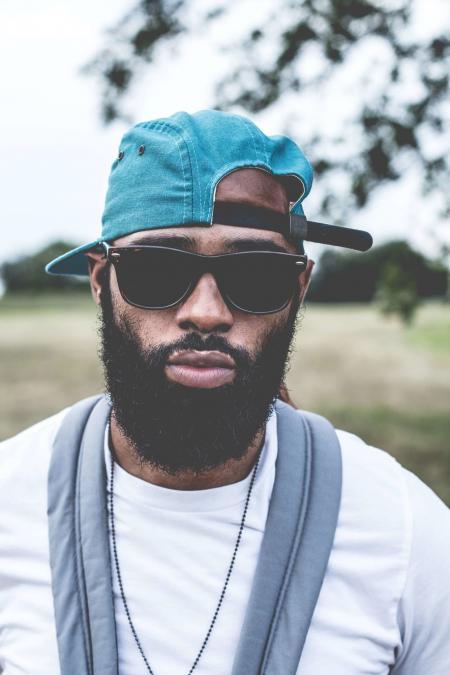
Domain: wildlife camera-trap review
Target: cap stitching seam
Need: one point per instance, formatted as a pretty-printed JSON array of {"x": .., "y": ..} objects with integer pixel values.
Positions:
[
  {"x": 250, "y": 131},
  {"x": 176, "y": 134},
  {"x": 177, "y": 143},
  {"x": 187, "y": 142},
  {"x": 188, "y": 145},
  {"x": 265, "y": 148}
]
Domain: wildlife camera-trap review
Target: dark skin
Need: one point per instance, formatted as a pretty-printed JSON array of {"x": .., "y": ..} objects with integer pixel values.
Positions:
[{"x": 204, "y": 311}]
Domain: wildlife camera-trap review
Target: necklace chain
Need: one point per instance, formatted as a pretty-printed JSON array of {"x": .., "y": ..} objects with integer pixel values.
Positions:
[{"x": 227, "y": 578}]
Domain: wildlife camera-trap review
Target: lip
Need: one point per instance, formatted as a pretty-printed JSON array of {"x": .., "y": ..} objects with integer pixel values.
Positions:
[
  {"x": 203, "y": 359},
  {"x": 201, "y": 369}
]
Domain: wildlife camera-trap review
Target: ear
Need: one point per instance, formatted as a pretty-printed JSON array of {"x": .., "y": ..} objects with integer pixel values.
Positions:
[
  {"x": 284, "y": 395},
  {"x": 97, "y": 270},
  {"x": 305, "y": 279}
]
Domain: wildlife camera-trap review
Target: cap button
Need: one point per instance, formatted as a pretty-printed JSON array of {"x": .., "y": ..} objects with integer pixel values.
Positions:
[
  {"x": 141, "y": 149},
  {"x": 120, "y": 155}
]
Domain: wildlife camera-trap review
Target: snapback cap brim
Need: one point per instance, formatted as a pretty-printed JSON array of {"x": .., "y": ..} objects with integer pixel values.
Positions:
[{"x": 72, "y": 262}]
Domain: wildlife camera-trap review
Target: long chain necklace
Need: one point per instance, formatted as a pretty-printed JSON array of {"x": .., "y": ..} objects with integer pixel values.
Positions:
[{"x": 227, "y": 578}]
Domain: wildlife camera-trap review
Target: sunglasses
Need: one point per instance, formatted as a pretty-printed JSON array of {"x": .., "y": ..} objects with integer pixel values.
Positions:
[{"x": 158, "y": 277}]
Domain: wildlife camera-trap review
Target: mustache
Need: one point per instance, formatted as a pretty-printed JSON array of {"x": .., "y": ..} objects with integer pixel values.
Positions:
[{"x": 194, "y": 341}]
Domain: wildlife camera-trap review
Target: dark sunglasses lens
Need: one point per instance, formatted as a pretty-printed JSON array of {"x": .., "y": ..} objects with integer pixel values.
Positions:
[
  {"x": 154, "y": 278},
  {"x": 260, "y": 282}
]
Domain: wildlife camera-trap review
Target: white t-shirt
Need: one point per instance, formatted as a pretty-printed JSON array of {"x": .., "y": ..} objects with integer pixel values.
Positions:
[{"x": 385, "y": 598}]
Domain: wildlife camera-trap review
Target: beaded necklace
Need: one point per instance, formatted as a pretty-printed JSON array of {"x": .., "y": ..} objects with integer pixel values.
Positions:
[{"x": 120, "y": 581}]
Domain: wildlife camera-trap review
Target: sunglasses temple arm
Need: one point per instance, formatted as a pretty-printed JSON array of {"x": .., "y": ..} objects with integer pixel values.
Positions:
[
  {"x": 320, "y": 233},
  {"x": 103, "y": 247}
]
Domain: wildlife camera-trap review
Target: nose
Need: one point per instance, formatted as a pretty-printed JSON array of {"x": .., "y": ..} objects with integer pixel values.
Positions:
[{"x": 205, "y": 309}]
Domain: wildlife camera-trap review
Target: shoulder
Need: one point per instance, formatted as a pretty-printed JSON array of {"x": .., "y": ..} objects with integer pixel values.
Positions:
[
  {"x": 406, "y": 526},
  {"x": 372, "y": 479},
  {"x": 24, "y": 458},
  {"x": 375, "y": 483},
  {"x": 424, "y": 606},
  {"x": 42, "y": 431},
  {"x": 370, "y": 473},
  {"x": 374, "y": 529},
  {"x": 24, "y": 465},
  {"x": 397, "y": 531},
  {"x": 390, "y": 517},
  {"x": 375, "y": 510}
]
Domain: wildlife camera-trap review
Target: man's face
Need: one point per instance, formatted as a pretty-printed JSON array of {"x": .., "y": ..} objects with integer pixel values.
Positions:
[{"x": 192, "y": 385}]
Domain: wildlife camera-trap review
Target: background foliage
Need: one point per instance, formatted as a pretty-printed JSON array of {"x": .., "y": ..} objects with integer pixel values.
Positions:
[
  {"x": 309, "y": 57},
  {"x": 27, "y": 273},
  {"x": 352, "y": 277}
]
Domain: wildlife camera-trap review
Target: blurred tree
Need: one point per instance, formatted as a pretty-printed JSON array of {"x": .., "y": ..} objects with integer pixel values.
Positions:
[
  {"x": 445, "y": 261},
  {"x": 352, "y": 277},
  {"x": 308, "y": 54},
  {"x": 397, "y": 292},
  {"x": 27, "y": 273}
]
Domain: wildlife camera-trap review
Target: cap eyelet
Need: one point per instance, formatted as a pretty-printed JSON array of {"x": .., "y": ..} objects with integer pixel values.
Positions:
[
  {"x": 120, "y": 155},
  {"x": 141, "y": 149}
]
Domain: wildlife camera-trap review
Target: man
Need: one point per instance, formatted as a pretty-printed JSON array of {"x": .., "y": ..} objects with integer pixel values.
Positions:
[{"x": 199, "y": 282}]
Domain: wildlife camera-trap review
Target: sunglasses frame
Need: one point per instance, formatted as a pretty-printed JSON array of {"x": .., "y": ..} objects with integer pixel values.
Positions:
[{"x": 113, "y": 255}]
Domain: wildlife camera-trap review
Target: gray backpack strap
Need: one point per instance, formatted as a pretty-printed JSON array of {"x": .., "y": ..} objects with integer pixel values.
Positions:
[
  {"x": 296, "y": 545},
  {"x": 79, "y": 543},
  {"x": 292, "y": 562}
]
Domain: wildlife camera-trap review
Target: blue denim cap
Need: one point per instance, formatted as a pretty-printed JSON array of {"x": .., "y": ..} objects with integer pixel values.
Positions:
[{"x": 167, "y": 171}]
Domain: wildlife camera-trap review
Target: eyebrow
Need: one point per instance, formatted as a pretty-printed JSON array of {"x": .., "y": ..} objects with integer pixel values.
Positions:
[
  {"x": 172, "y": 241},
  {"x": 186, "y": 243},
  {"x": 254, "y": 245}
]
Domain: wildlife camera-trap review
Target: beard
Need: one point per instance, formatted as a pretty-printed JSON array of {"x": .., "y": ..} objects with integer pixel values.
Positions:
[{"x": 177, "y": 428}]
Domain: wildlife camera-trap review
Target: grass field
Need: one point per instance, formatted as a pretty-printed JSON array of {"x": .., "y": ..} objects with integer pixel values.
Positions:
[{"x": 367, "y": 374}]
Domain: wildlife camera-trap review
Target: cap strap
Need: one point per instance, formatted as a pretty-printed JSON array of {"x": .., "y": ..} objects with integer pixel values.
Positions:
[
  {"x": 247, "y": 215},
  {"x": 290, "y": 224},
  {"x": 333, "y": 235}
]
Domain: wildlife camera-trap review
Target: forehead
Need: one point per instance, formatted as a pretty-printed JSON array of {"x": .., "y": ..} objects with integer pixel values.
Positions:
[{"x": 253, "y": 186}]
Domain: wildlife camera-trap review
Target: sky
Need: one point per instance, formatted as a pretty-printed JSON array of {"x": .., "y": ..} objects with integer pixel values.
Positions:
[{"x": 56, "y": 154}]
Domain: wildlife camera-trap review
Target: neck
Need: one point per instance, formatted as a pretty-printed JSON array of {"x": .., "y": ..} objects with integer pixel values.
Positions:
[{"x": 231, "y": 472}]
